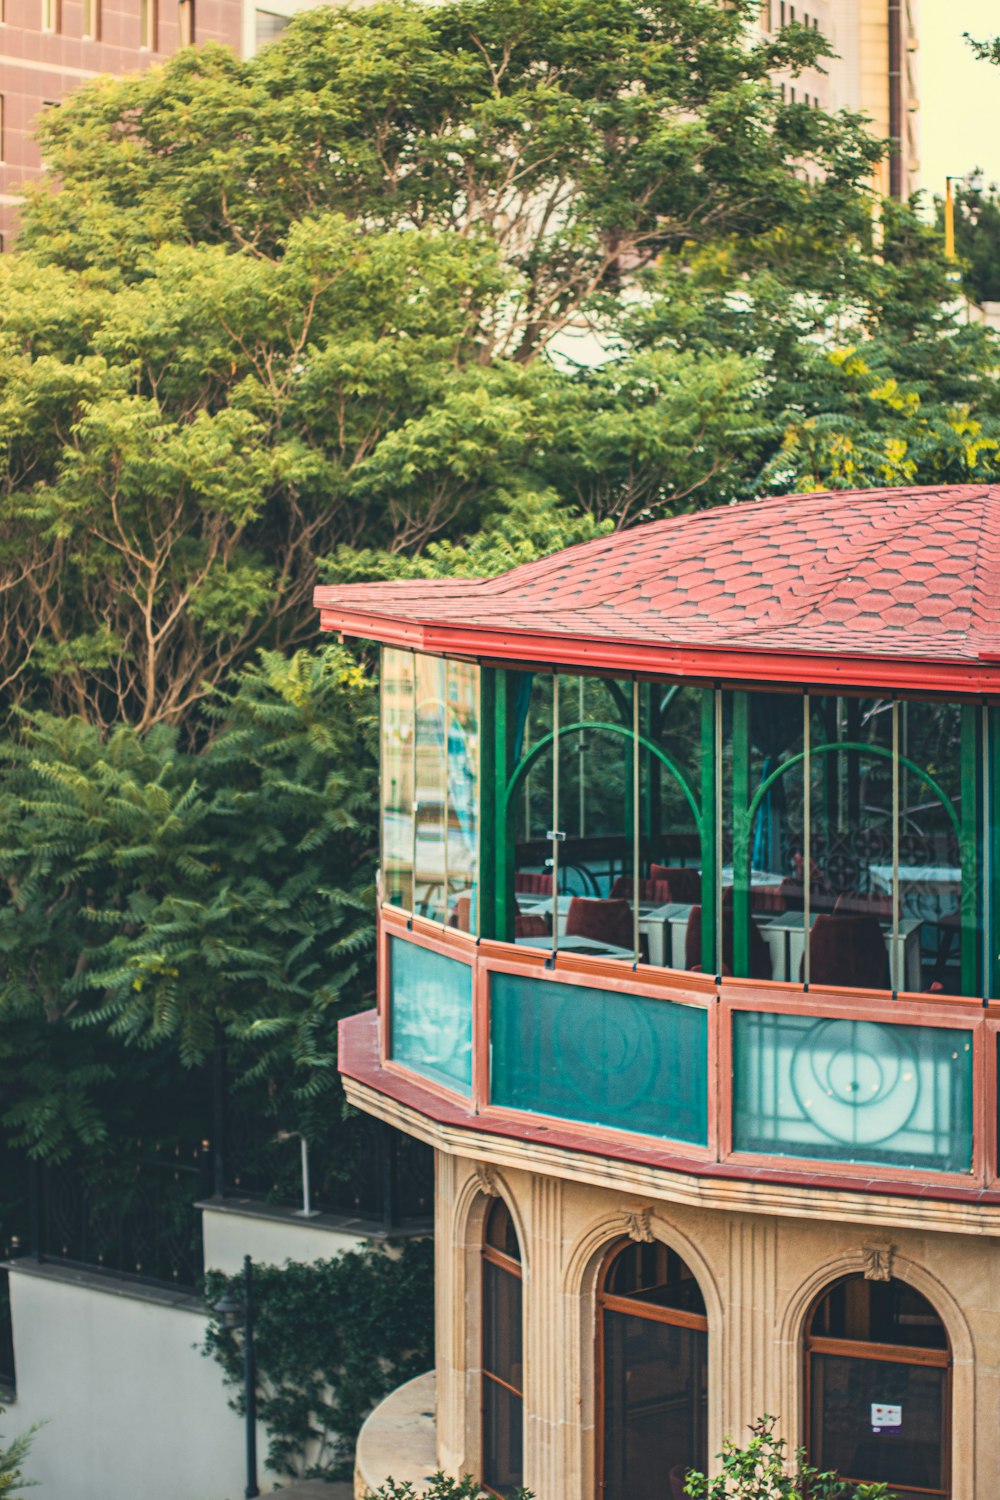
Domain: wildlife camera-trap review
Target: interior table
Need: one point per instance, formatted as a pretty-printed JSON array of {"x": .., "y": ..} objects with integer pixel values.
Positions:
[{"x": 784, "y": 933}]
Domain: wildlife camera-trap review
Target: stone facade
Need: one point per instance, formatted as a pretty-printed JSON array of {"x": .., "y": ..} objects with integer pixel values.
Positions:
[{"x": 760, "y": 1275}]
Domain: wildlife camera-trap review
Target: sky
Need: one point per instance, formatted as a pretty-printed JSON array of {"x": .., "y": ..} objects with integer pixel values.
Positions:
[{"x": 959, "y": 97}]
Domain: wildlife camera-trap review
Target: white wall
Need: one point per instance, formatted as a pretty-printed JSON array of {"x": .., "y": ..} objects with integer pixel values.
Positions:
[
  {"x": 229, "y": 1233},
  {"x": 133, "y": 1409}
]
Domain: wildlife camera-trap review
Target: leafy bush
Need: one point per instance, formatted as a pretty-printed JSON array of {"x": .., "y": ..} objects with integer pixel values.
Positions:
[
  {"x": 331, "y": 1339},
  {"x": 442, "y": 1488},
  {"x": 11, "y": 1459},
  {"x": 760, "y": 1471}
]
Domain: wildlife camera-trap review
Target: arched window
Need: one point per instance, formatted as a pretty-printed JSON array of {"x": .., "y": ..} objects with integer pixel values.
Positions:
[
  {"x": 879, "y": 1393},
  {"x": 652, "y": 1375},
  {"x": 503, "y": 1358}
]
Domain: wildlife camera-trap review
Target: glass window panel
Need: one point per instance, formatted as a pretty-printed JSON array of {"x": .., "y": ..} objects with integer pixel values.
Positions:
[
  {"x": 503, "y": 1438},
  {"x": 533, "y": 812},
  {"x": 430, "y": 858},
  {"x": 500, "y": 1231},
  {"x": 655, "y": 1406},
  {"x": 622, "y": 1061},
  {"x": 879, "y": 1312},
  {"x": 651, "y": 1272},
  {"x": 463, "y": 795},
  {"x": 845, "y": 1090},
  {"x": 502, "y": 1346},
  {"x": 268, "y": 25},
  {"x": 930, "y": 851},
  {"x": 431, "y": 1013},
  {"x": 909, "y": 1459},
  {"x": 397, "y": 777},
  {"x": 670, "y": 719}
]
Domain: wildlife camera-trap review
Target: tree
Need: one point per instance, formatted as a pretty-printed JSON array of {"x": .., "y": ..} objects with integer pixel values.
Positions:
[
  {"x": 155, "y": 897},
  {"x": 303, "y": 302},
  {"x": 760, "y": 1471},
  {"x": 580, "y": 142},
  {"x": 871, "y": 377}
]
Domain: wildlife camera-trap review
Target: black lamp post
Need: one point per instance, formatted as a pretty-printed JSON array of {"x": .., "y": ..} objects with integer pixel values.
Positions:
[{"x": 235, "y": 1311}]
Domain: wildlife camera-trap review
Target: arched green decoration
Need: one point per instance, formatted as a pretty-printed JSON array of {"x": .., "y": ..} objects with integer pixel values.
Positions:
[{"x": 524, "y": 766}]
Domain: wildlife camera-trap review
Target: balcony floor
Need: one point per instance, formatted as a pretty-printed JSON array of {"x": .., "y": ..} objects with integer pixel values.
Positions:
[{"x": 399, "y": 1439}]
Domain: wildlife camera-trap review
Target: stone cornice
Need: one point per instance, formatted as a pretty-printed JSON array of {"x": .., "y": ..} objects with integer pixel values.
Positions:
[{"x": 748, "y": 1194}]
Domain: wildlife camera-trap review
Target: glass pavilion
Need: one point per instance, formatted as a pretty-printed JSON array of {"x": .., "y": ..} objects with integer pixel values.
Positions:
[{"x": 688, "y": 844}]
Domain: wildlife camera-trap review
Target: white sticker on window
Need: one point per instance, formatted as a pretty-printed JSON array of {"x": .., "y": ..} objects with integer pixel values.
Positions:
[{"x": 886, "y": 1418}]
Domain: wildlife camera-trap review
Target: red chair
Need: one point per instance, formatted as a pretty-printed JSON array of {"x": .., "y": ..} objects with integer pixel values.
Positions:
[
  {"x": 605, "y": 921},
  {"x": 871, "y": 904},
  {"x": 848, "y": 951},
  {"x": 767, "y": 898},
  {"x": 683, "y": 880},
  {"x": 654, "y": 892},
  {"x": 760, "y": 953},
  {"x": 532, "y": 883},
  {"x": 530, "y": 924}
]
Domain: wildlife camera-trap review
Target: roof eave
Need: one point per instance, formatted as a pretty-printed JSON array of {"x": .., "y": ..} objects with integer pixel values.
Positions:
[{"x": 730, "y": 663}]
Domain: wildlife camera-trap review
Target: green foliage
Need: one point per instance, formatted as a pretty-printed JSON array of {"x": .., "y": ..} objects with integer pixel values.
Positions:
[
  {"x": 441, "y": 1488},
  {"x": 760, "y": 1470},
  {"x": 12, "y": 1457},
  {"x": 331, "y": 1339},
  {"x": 869, "y": 377},
  {"x": 977, "y": 237},
  {"x": 576, "y": 138},
  {"x": 157, "y": 896}
]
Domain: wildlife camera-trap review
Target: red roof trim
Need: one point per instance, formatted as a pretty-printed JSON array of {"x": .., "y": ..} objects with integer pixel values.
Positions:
[
  {"x": 704, "y": 663},
  {"x": 894, "y": 589}
]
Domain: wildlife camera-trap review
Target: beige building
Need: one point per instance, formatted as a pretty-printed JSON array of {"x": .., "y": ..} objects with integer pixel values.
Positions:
[
  {"x": 688, "y": 971},
  {"x": 875, "y": 72}
]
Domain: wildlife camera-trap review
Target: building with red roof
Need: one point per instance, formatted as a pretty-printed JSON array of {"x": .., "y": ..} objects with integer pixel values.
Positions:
[{"x": 686, "y": 970}]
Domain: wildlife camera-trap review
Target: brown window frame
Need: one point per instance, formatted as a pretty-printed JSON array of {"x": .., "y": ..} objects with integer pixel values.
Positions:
[
  {"x": 513, "y": 1268},
  {"x": 897, "y": 1354},
  {"x": 633, "y": 1308}
]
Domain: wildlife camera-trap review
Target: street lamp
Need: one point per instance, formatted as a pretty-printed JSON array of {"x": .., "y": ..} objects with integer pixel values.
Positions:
[
  {"x": 975, "y": 182},
  {"x": 235, "y": 1311}
]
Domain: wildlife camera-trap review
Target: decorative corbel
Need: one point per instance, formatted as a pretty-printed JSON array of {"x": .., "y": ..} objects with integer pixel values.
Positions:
[
  {"x": 637, "y": 1224},
  {"x": 486, "y": 1180},
  {"x": 878, "y": 1262}
]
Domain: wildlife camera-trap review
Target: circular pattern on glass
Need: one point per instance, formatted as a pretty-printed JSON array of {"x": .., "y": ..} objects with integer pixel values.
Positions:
[
  {"x": 855, "y": 1081},
  {"x": 607, "y": 1052}
]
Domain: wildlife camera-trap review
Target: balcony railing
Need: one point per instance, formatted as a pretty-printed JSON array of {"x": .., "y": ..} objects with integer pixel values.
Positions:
[{"x": 738, "y": 1071}]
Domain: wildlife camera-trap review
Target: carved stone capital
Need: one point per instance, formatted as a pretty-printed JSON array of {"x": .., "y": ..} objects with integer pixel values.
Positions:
[
  {"x": 637, "y": 1224},
  {"x": 878, "y": 1262},
  {"x": 486, "y": 1180}
]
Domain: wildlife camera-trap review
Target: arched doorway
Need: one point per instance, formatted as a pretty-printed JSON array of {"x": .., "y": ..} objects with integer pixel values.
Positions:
[
  {"x": 878, "y": 1387},
  {"x": 502, "y": 1354},
  {"x": 652, "y": 1374}
]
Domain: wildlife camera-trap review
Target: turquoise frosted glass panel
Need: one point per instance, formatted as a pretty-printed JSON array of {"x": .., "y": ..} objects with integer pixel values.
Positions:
[
  {"x": 852, "y": 1091},
  {"x": 584, "y": 1054},
  {"x": 431, "y": 1000}
]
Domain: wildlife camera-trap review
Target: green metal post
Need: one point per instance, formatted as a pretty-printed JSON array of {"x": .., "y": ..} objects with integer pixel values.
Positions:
[
  {"x": 653, "y": 787},
  {"x": 710, "y": 812},
  {"x": 969, "y": 845},
  {"x": 741, "y": 833}
]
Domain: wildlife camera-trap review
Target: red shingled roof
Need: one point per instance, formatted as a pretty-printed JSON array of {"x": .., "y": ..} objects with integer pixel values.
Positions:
[{"x": 899, "y": 588}]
